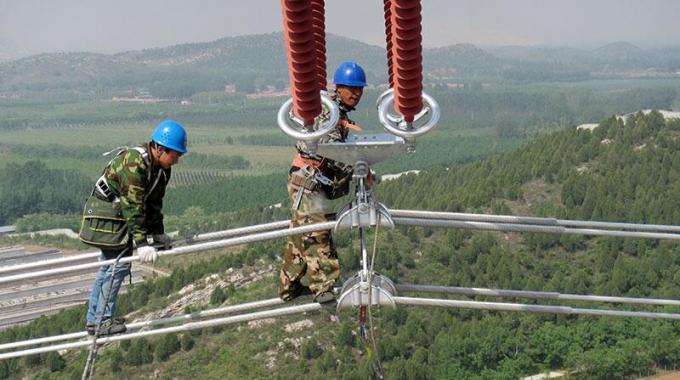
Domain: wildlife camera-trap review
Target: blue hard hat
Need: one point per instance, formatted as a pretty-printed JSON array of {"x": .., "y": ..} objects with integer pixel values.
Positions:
[
  {"x": 170, "y": 134},
  {"x": 350, "y": 74}
]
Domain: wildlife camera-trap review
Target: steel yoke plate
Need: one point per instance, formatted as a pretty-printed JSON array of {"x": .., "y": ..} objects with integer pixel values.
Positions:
[{"x": 368, "y": 148}]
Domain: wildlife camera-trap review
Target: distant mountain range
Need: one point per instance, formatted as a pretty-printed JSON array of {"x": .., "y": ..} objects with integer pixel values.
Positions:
[
  {"x": 9, "y": 51},
  {"x": 614, "y": 57},
  {"x": 254, "y": 61}
]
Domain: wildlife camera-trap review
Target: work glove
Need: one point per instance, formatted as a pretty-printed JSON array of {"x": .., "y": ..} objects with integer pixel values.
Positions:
[
  {"x": 147, "y": 254},
  {"x": 163, "y": 239},
  {"x": 373, "y": 179}
]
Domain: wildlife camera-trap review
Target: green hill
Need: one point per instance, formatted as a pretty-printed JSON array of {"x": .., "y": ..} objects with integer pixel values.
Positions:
[
  {"x": 616, "y": 172},
  {"x": 614, "y": 59},
  {"x": 248, "y": 62},
  {"x": 256, "y": 61}
]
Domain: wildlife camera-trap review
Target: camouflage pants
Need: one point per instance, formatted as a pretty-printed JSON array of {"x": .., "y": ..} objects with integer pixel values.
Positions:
[{"x": 310, "y": 255}]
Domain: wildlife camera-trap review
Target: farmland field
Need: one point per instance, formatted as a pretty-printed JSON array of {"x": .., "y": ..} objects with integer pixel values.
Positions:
[{"x": 239, "y": 136}]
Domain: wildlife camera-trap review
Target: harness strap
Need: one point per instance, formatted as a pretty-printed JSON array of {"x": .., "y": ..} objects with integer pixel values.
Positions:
[
  {"x": 302, "y": 162},
  {"x": 101, "y": 186}
]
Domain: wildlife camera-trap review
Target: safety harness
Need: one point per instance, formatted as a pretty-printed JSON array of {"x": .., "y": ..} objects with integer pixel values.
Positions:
[{"x": 101, "y": 187}]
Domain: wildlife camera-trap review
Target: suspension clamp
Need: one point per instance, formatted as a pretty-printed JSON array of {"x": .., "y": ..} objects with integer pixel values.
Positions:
[
  {"x": 359, "y": 214},
  {"x": 363, "y": 211},
  {"x": 355, "y": 292}
]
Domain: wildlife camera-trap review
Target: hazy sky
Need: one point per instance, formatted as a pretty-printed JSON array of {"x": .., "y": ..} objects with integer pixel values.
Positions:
[{"x": 31, "y": 26}]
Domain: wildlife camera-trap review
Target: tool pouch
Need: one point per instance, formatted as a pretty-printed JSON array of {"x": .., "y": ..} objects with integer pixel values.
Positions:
[
  {"x": 103, "y": 225},
  {"x": 300, "y": 180},
  {"x": 342, "y": 176},
  {"x": 340, "y": 188}
]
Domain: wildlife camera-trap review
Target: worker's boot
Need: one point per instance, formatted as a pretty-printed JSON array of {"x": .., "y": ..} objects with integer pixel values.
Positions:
[
  {"x": 296, "y": 291},
  {"x": 112, "y": 327},
  {"x": 324, "y": 297}
]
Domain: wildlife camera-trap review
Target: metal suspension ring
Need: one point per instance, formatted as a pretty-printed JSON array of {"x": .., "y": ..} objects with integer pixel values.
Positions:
[
  {"x": 294, "y": 127},
  {"x": 395, "y": 117},
  {"x": 396, "y": 124}
]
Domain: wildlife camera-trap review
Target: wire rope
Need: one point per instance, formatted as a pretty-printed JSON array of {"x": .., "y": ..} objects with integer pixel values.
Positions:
[
  {"x": 371, "y": 328},
  {"x": 88, "y": 371}
]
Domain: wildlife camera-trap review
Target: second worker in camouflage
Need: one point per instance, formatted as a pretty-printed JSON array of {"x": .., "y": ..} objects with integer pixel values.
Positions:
[{"x": 314, "y": 181}]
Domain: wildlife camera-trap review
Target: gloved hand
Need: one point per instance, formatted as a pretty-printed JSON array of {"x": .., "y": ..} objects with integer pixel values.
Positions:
[
  {"x": 147, "y": 254},
  {"x": 373, "y": 179},
  {"x": 346, "y": 124},
  {"x": 162, "y": 239}
]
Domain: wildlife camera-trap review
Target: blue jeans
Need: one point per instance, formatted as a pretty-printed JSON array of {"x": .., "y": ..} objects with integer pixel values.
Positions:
[{"x": 96, "y": 310}]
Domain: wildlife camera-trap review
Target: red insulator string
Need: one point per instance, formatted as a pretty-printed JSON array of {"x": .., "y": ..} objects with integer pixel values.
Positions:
[
  {"x": 302, "y": 62},
  {"x": 388, "y": 39},
  {"x": 407, "y": 58},
  {"x": 319, "y": 23}
]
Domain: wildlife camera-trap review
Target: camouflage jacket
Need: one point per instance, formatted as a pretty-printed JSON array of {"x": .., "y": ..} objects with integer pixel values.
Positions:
[
  {"x": 337, "y": 171},
  {"x": 337, "y": 134},
  {"x": 140, "y": 187}
]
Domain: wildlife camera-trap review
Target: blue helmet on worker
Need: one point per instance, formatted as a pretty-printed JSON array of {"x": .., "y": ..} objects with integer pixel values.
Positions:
[
  {"x": 170, "y": 134},
  {"x": 350, "y": 74}
]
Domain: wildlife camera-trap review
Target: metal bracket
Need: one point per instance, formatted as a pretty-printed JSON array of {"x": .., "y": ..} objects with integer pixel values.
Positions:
[
  {"x": 370, "y": 149},
  {"x": 355, "y": 292}
]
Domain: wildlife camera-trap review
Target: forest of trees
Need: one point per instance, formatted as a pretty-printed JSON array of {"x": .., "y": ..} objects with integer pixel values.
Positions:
[
  {"x": 95, "y": 152},
  {"x": 32, "y": 188}
]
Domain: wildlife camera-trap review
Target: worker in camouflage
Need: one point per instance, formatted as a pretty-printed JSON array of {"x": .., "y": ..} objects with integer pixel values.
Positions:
[
  {"x": 136, "y": 178},
  {"x": 313, "y": 181},
  {"x": 130, "y": 173}
]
